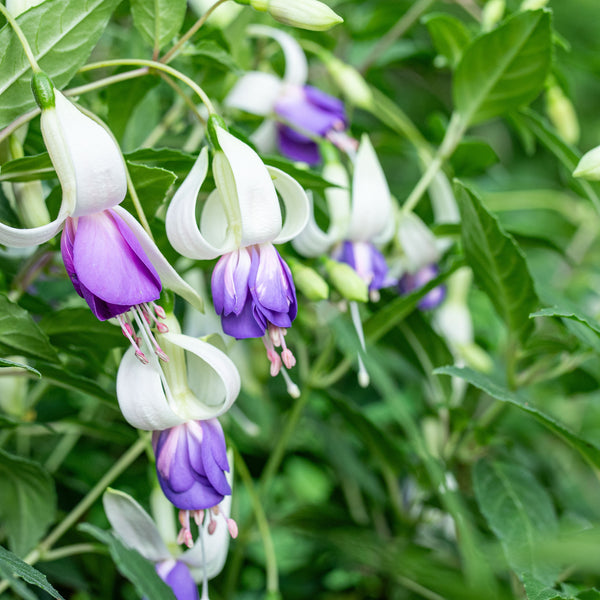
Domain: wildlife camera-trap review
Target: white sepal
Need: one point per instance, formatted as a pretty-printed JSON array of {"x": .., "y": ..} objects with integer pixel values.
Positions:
[
  {"x": 134, "y": 526},
  {"x": 168, "y": 275},
  {"x": 295, "y": 201},
  {"x": 313, "y": 241},
  {"x": 589, "y": 165},
  {"x": 265, "y": 137},
  {"x": 256, "y": 197},
  {"x": 371, "y": 200},
  {"x": 338, "y": 200},
  {"x": 296, "y": 67},
  {"x": 100, "y": 177},
  {"x": 255, "y": 92},
  {"x": 22, "y": 238},
  {"x": 417, "y": 242},
  {"x": 443, "y": 202}
]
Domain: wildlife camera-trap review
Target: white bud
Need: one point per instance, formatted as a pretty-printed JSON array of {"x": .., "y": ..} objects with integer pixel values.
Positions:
[
  {"x": 533, "y": 4},
  {"x": 562, "y": 114},
  {"x": 350, "y": 82},
  {"x": 305, "y": 14},
  {"x": 589, "y": 165},
  {"x": 492, "y": 13}
]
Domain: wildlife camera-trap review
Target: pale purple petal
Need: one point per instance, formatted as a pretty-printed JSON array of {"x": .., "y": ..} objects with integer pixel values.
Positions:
[
  {"x": 410, "y": 282},
  {"x": 303, "y": 150},
  {"x": 244, "y": 325},
  {"x": 179, "y": 579}
]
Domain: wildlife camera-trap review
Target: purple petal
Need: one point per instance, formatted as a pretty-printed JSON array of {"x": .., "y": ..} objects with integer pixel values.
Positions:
[
  {"x": 219, "y": 450},
  {"x": 410, "y": 282},
  {"x": 269, "y": 284},
  {"x": 245, "y": 325},
  {"x": 179, "y": 579},
  {"x": 108, "y": 264},
  {"x": 214, "y": 473},
  {"x": 303, "y": 150},
  {"x": 229, "y": 283},
  {"x": 326, "y": 102}
]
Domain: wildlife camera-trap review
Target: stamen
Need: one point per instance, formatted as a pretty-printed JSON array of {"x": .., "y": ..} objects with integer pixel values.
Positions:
[
  {"x": 272, "y": 356},
  {"x": 198, "y": 516},
  {"x": 185, "y": 534},
  {"x": 142, "y": 324},
  {"x": 128, "y": 332},
  {"x": 292, "y": 389},
  {"x": 344, "y": 142},
  {"x": 149, "y": 309},
  {"x": 233, "y": 528},
  {"x": 289, "y": 360},
  {"x": 363, "y": 375}
]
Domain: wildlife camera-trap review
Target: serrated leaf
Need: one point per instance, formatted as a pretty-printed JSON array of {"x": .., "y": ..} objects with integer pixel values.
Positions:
[
  {"x": 62, "y": 34},
  {"x": 589, "y": 450},
  {"x": 520, "y": 513},
  {"x": 159, "y": 21},
  {"x": 132, "y": 565},
  {"x": 504, "y": 69},
  {"x": 19, "y": 334},
  {"x": 11, "y": 566},
  {"x": 27, "y": 501},
  {"x": 498, "y": 264},
  {"x": 448, "y": 34}
]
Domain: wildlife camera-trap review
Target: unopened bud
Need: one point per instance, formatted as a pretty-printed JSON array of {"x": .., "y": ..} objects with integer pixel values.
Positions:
[
  {"x": 347, "y": 281},
  {"x": 492, "y": 13},
  {"x": 562, "y": 114},
  {"x": 43, "y": 90},
  {"x": 308, "y": 281},
  {"x": 213, "y": 122},
  {"x": 350, "y": 82},
  {"x": 533, "y": 4},
  {"x": 589, "y": 165},
  {"x": 305, "y": 14}
]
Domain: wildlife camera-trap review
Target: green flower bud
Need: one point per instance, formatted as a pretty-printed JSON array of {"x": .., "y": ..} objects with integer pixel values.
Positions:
[
  {"x": 350, "y": 82},
  {"x": 305, "y": 14},
  {"x": 346, "y": 281},
  {"x": 43, "y": 90},
  {"x": 213, "y": 122},
  {"x": 562, "y": 114},
  {"x": 533, "y": 4},
  {"x": 492, "y": 13},
  {"x": 308, "y": 281},
  {"x": 589, "y": 165}
]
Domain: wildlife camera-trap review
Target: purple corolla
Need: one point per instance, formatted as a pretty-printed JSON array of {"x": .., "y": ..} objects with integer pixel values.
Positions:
[
  {"x": 177, "y": 576},
  {"x": 409, "y": 282},
  {"x": 299, "y": 113},
  {"x": 366, "y": 260}
]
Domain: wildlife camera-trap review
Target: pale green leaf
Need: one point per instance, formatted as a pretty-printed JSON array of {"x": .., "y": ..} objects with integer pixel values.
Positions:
[
  {"x": 62, "y": 34},
  {"x": 132, "y": 565},
  {"x": 504, "y": 69},
  {"x": 159, "y": 21},
  {"x": 498, "y": 264},
  {"x": 448, "y": 34},
  {"x": 11, "y": 567},
  {"x": 5, "y": 362},
  {"x": 27, "y": 501}
]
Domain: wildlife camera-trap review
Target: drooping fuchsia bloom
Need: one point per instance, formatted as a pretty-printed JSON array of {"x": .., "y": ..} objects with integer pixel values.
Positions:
[
  {"x": 111, "y": 260},
  {"x": 241, "y": 220},
  {"x": 179, "y": 402},
  {"x": 299, "y": 112}
]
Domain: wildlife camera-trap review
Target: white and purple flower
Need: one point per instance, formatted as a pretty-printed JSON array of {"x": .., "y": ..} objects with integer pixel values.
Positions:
[
  {"x": 409, "y": 282},
  {"x": 298, "y": 113},
  {"x": 252, "y": 287}
]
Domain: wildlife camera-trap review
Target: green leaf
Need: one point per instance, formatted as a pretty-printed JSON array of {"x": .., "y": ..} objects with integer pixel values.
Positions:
[
  {"x": 306, "y": 178},
  {"x": 504, "y": 69},
  {"x": 498, "y": 264},
  {"x": 27, "y": 501},
  {"x": 64, "y": 378},
  {"x": 448, "y": 34},
  {"x": 520, "y": 513},
  {"x": 159, "y": 21},
  {"x": 211, "y": 53},
  {"x": 472, "y": 157},
  {"x": 152, "y": 185},
  {"x": 589, "y": 450},
  {"x": 132, "y": 565},
  {"x": 12, "y": 566},
  {"x": 4, "y": 362},
  {"x": 28, "y": 168},
  {"x": 176, "y": 161},
  {"x": 62, "y": 34},
  {"x": 19, "y": 334},
  {"x": 536, "y": 590}
]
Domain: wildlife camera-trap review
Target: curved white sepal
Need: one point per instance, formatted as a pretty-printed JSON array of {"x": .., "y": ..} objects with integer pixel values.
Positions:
[
  {"x": 182, "y": 228},
  {"x": 215, "y": 545},
  {"x": 21, "y": 238},
  {"x": 256, "y": 197},
  {"x": 371, "y": 201},
  {"x": 212, "y": 377},
  {"x": 417, "y": 241},
  {"x": 255, "y": 92},
  {"x": 295, "y": 200},
  {"x": 312, "y": 241},
  {"x": 168, "y": 276},
  {"x": 265, "y": 136},
  {"x": 141, "y": 396},
  {"x": 296, "y": 66},
  {"x": 134, "y": 526},
  {"x": 443, "y": 202},
  {"x": 338, "y": 200},
  {"x": 100, "y": 177}
]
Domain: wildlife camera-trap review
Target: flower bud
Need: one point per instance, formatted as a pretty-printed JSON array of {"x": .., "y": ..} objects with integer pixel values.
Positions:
[
  {"x": 589, "y": 165},
  {"x": 562, "y": 114},
  {"x": 308, "y": 281},
  {"x": 492, "y": 13},
  {"x": 347, "y": 281},
  {"x": 533, "y": 4},
  {"x": 350, "y": 82},
  {"x": 305, "y": 14}
]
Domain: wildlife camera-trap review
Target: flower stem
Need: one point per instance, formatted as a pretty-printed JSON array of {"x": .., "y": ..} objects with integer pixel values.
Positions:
[
  {"x": 19, "y": 33},
  {"x": 158, "y": 66},
  {"x": 184, "y": 38},
  {"x": 263, "y": 525},
  {"x": 39, "y": 552}
]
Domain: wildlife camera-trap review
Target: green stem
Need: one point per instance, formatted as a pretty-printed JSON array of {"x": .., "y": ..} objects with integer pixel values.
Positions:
[
  {"x": 39, "y": 552},
  {"x": 94, "y": 85},
  {"x": 19, "y": 33},
  {"x": 172, "y": 53},
  {"x": 396, "y": 32},
  {"x": 158, "y": 66},
  {"x": 73, "y": 550},
  {"x": 263, "y": 525},
  {"x": 137, "y": 204}
]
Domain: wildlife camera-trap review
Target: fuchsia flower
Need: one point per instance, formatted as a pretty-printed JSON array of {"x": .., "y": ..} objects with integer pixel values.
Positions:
[
  {"x": 252, "y": 287},
  {"x": 300, "y": 112},
  {"x": 409, "y": 282},
  {"x": 111, "y": 261}
]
